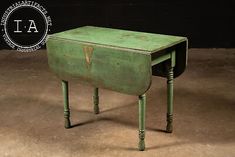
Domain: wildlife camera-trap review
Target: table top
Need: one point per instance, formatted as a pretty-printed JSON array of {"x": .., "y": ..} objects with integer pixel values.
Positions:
[
  {"x": 114, "y": 59},
  {"x": 146, "y": 42}
]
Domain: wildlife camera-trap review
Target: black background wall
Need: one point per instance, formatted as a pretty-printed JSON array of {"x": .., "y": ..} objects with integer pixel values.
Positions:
[{"x": 205, "y": 23}]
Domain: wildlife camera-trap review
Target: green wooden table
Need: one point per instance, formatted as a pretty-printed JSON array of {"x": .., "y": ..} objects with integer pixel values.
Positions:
[{"x": 119, "y": 60}]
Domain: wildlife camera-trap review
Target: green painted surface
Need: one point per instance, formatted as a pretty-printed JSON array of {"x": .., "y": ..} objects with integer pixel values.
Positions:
[
  {"x": 118, "y": 60},
  {"x": 146, "y": 42},
  {"x": 65, "y": 90},
  {"x": 119, "y": 70},
  {"x": 96, "y": 100},
  {"x": 115, "y": 59},
  {"x": 161, "y": 59},
  {"x": 142, "y": 108},
  {"x": 170, "y": 79}
]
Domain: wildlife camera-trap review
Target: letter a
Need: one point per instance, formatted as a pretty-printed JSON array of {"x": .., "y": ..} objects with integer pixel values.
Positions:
[{"x": 32, "y": 26}]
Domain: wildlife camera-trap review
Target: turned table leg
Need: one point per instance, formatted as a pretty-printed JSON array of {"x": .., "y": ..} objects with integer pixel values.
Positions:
[
  {"x": 169, "y": 127},
  {"x": 96, "y": 100},
  {"x": 142, "y": 104},
  {"x": 67, "y": 123}
]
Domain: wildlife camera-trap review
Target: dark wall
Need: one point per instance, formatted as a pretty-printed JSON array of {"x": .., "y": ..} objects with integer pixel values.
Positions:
[{"x": 206, "y": 24}]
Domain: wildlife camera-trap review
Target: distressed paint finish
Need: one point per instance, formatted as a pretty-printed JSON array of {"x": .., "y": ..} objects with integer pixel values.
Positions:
[
  {"x": 88, "y": 51},
  {"x": 65, "y": 90},
  {"x": 115, "y": 59},
  {"x": 170, "y": 79},
  {"x": 96, "y": 100},
  {"x": 142, "y": 108},
  {"x": 115, "y": 69},
  {"x": 169, "y": 127},
  {"x": 119, "y": 60},
  {"x": 146, "y": 42},
  {"x": 137, "y": 42}
]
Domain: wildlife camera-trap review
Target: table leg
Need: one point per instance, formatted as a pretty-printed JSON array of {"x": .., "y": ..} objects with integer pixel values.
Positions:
[
  {"x": 67, "y": 123},
  {"x": 142, "y": 106},
  {"x": 96, "y": 100},
  {"x": 169, "y": 127}
]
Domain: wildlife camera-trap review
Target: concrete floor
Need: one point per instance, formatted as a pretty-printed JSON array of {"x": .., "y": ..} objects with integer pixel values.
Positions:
[{"x": 31, "y": 109}]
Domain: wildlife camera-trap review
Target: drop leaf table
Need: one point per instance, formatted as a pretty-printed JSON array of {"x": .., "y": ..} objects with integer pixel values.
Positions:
[{"x": 118, "y": 60}]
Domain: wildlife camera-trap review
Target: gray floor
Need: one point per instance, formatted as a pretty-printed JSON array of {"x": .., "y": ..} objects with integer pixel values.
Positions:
[{"x": 31, "y": 109}]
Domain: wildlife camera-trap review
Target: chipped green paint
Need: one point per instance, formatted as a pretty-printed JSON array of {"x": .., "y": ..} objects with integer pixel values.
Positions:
[
  {"x": 119, "y": 60},
  {"x": 119, "y": 70},
  {"x": 115, "y": 59},
  {"x": 169, "y": 127},
  {"x": 146, "y": 42},
  {"x": 142, "y": 108},
  {"x": 88, "y": 51},
  {"x": 65, "y": 90},
  {"x": 96, "y": 100}
]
